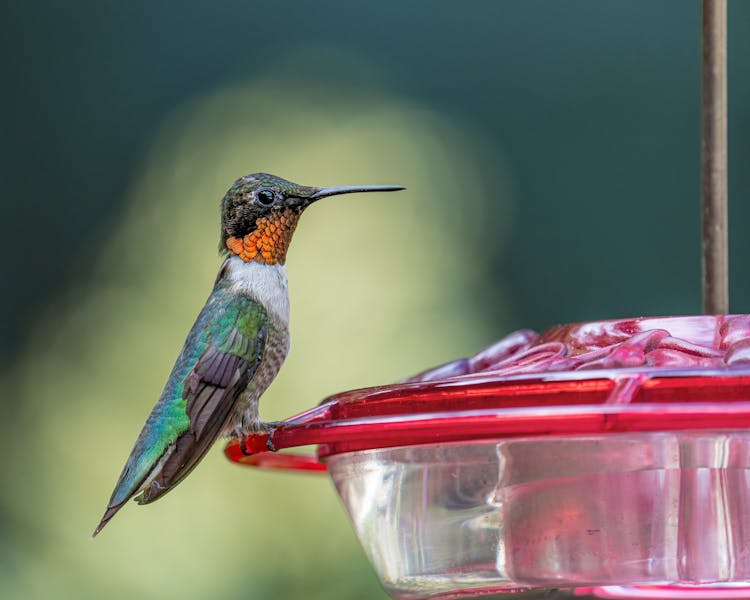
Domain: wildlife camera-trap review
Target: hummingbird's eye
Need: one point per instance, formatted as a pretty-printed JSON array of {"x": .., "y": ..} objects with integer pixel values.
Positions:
[{"x": 265, "y": 197}]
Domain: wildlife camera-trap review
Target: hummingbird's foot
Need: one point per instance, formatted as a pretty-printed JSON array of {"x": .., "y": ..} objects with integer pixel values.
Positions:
[
  {"x": 269, "y": 428},
  {"x": 246, "y": 452},
  {"x": 258, "y": 428}
]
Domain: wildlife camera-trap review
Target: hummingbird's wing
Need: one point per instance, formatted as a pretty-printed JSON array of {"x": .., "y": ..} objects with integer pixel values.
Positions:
[{"x": 220, "y": 356}]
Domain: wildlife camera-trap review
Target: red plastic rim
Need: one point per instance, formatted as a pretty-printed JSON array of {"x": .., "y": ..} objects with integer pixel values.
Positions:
[
  {"x": 387, "y": 417},
  {"x": 631, "y": 375}
]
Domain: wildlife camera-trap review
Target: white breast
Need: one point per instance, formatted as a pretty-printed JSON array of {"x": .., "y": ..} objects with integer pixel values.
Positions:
[{"x": 263, "y": 283}]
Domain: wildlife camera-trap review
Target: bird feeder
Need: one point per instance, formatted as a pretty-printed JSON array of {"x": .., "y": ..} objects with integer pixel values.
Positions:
[
  {"x": 607, "y": 459},
  {"x": 613, "y": 453}
]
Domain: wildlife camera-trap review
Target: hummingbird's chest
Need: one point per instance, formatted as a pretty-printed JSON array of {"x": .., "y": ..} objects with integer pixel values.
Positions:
[
  {"x": 265, "y": 284},
  {"x": 245, "y": 417},
  {"x": 274, "y": 355}
]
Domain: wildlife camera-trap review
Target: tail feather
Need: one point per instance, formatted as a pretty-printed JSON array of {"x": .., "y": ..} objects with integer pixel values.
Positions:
[{"x": 108, "y": 514}]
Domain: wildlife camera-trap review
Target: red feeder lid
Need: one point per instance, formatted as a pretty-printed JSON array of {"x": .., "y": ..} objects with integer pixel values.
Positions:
[{"x": 630, "y": 375}]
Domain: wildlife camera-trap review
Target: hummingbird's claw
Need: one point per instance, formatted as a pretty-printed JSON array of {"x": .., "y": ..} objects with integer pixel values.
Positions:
[
  {"x": 270, "y": 427},
  {"x": 260, "y": 428}
]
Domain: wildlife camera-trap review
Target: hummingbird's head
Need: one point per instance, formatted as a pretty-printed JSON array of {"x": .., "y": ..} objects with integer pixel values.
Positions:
[{"x": 260, "y": 212}]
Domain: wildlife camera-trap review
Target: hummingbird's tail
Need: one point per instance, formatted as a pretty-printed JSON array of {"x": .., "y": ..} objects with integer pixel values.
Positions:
[{"x": 108, "y": 514}]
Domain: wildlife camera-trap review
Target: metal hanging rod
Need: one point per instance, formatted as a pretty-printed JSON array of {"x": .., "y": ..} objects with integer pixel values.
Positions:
[{"x": 715, "y": 269}]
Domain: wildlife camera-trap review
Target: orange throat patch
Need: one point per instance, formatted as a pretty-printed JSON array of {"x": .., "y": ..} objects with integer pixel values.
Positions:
[{"x": 270, "y": 240}]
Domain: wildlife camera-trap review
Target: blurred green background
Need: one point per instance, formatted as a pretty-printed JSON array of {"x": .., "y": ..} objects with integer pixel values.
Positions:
[{"x": 551, "y": 151}]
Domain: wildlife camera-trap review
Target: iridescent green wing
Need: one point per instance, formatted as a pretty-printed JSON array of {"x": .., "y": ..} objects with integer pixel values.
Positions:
[
  {"x": 211, "y": 389},
  {"x": 218, "y": 360}
]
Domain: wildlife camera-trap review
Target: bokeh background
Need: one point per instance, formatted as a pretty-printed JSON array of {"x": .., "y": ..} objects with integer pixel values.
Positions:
[{"x": 551, "y": 151}]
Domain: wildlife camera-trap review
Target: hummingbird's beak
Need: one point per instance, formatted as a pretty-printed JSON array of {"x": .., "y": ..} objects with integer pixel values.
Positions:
[{"x": 353, "y": 189}]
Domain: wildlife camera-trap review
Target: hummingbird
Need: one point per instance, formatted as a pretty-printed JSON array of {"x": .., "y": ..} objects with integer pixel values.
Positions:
[{"x": 236, "y": 346}]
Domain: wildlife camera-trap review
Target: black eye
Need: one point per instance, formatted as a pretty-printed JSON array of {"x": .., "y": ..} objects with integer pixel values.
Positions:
[{"x": 265, "y": 197}]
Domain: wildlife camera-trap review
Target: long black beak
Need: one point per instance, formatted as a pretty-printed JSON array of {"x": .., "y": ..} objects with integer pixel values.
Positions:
[{"x": 353, "y": 189}]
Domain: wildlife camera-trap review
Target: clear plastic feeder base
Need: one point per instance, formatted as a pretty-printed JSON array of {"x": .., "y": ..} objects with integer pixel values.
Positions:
[{"x": 584, "y": 511}]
